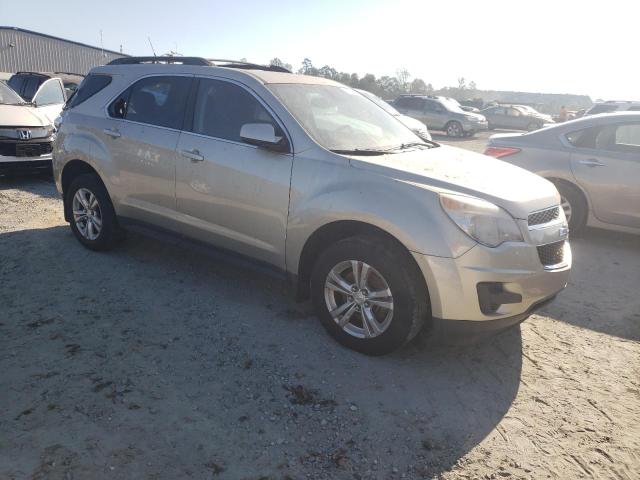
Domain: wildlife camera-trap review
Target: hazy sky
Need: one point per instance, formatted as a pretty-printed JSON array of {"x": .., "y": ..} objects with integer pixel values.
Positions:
[{"x": 560, "y": 46}]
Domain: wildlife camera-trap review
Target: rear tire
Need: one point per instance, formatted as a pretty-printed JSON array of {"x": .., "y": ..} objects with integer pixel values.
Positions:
[
  {"x": 575, "y": 206},
  {"x": 388, "y": 269},
  {"x": 92, "y": 217}
]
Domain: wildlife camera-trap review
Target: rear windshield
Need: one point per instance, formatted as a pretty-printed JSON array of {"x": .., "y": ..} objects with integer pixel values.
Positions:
[
  {"x": 26, "y": 85},
  {"x": 91, "y": 85}
]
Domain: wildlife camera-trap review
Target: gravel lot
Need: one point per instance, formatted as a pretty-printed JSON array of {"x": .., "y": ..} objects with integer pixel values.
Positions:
[{"x": 163, "y": 361}]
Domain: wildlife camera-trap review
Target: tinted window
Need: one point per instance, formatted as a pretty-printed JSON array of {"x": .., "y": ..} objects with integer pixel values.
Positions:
[
  {"x": 154, "y": 100},
  {"x": 603, "y": 108},
  {"x": 91, "y": 85},
  {"x": 431, "y": 106},
  {"x": 222, "y": 108},
  {"x": 26, "y": 85},
  {"x": 402, "y": 102},
  {"x": 416, "y": 103},
  {"x": 50, "y": 94},
  {"x": 585, "y": 138},
  {"x": 628, "y": 136}
]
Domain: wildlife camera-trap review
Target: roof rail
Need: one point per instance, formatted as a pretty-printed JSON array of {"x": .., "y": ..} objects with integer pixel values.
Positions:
[
  {"x": 208, "y": 62},
  {"x": 163, "y": 59},
  {"x": 247, "y": 65}
]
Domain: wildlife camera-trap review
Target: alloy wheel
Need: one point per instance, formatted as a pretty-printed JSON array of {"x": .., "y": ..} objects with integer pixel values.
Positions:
[
  {"x": 87, "y": 214},
  {"x": 566, "y": 206},
  {"x": 358, "y": 299},
  {"x": 454, "y": 130}
]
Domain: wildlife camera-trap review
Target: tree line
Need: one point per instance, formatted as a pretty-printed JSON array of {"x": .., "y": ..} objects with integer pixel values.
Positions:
[{"x": 386, "y": 87}]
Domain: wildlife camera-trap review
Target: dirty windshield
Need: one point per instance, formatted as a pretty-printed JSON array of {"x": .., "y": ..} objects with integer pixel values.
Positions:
[{"x": 341, "y": 119}]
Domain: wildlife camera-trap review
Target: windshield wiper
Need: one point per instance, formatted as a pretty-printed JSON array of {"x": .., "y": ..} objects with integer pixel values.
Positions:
[
  {"x": 360, "y": 151},
  {"x": 404, "y": 146}
]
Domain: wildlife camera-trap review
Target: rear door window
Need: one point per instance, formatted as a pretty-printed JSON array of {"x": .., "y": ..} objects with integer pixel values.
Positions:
[{"x": 157, "y": 101}]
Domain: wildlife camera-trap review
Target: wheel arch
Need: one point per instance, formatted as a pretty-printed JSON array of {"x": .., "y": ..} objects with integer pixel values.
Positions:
[
  {"x": 563, "y": 181},
  {"x": 72, "y": 170},
  {"x": 335, "y": 231}
]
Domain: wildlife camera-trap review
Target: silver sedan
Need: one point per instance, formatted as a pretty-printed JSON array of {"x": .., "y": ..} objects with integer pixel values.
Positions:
[{"x": 593, "y": 161}]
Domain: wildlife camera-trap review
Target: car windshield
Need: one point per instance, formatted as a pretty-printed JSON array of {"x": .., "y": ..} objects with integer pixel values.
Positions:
[
  {"x": 451, "y": 105},
  {"x": 380, "y": 102},
  {"x": 528, "y": 109},
  {"x": 341, "y": 119},
  {"x": 8, "y": 96}
]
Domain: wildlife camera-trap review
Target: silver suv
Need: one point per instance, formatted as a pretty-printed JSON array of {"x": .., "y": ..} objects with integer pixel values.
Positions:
[
  {"x": 384, "y": 231},
  {"x": 441, "y": 113}
]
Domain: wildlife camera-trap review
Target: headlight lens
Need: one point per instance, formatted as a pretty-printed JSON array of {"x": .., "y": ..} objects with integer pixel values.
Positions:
[{"x": 483, "y": 221}]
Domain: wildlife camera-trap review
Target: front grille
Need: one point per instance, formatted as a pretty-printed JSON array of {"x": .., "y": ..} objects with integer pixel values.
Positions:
[
  {"x": 551, "y": 254},
  {"x": 544, "y": 216},
  {"x": 25, "y": 149}
]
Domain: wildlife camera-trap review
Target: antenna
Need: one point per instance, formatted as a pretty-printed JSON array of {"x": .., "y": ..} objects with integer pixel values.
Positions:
[{"x": 151, "y": 45}]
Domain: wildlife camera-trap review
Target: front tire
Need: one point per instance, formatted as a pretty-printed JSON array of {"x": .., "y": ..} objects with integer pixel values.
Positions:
[
  {"x": 90, "y": 211},
  {"x": 574, "y": 205},
  {"x": 454, "y": 129},
  {"x": 533, "y": 126},
  {"x": 369, "y": 294}
]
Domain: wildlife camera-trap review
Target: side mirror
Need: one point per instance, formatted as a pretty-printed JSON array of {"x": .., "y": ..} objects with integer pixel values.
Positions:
[{"x": 263, "y": 135}]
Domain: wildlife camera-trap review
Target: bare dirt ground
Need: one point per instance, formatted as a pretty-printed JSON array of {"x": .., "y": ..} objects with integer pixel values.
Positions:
[{"x": 164, "y": 361}]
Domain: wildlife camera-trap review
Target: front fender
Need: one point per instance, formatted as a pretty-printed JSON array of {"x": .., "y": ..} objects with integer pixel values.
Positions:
[{"x": 408, "y": 212}]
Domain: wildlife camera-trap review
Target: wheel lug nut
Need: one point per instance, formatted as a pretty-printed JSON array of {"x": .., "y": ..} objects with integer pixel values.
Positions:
[
  {"x": 354, "y": 289},
  {"x": 350, "y": 298}
]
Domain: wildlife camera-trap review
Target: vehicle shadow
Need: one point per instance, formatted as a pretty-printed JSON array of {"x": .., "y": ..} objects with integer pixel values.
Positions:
[
  {"x": 193, "y": 356},
  {"x": 604, "y": 284},
  {"x": 38, "y": 183}
]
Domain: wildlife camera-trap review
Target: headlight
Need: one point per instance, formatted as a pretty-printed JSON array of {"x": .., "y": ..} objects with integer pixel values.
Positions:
[
  {"x": 472, "y": 118},
  {"x": 483, "y": 221}
]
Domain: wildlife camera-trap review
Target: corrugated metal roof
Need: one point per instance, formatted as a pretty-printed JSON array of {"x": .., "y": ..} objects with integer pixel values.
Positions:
[{"x": 24, "y": 50}]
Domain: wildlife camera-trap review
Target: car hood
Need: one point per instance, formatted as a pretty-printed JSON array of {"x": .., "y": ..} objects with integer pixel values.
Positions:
[
  {"x": 22, "y": 116},
  {"x": 478, "y": 116},
  {"x": 412, "y": 123},
  {"x": 452, "y": 169}
]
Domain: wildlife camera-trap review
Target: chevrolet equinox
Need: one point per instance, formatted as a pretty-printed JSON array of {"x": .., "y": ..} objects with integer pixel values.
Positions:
[{"x": 385, "y": 232}]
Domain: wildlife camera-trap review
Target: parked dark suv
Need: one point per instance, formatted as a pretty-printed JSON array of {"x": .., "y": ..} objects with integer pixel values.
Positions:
[{"x": 26, "y": 84}]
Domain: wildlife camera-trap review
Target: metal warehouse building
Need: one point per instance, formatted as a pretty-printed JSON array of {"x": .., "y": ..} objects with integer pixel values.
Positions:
[{"x": 24, "y": 50}]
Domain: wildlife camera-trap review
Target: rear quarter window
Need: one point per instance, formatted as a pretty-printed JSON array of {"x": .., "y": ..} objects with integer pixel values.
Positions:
[{"x": 91, "y": 85}]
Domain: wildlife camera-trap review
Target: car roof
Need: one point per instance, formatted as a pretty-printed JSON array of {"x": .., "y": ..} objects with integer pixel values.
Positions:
[
  {"x": 590, "y": 121},
  {"x": 262, "y": 76},
  {"x": 64, "y": 76}
]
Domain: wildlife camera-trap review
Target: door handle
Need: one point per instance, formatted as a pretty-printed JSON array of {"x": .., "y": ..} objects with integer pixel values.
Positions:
[
  {"x": 591, "y": 162},
  {"x": 193, "y": 155},
  {"x": 111, "y": 133}
]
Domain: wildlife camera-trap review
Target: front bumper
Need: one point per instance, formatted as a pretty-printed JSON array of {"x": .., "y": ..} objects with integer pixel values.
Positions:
[
  {"x": 474, "y": 126},
  {"x": 516, "y": 267},
  {"x": 13, "y": 164}
]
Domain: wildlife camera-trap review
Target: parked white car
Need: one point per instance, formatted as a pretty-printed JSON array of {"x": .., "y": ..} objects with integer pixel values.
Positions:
[{"x": 26, "y": 127}]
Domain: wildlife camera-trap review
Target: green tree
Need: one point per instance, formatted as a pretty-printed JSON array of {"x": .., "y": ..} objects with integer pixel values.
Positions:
[
  {"x": 276, "y": 62},
  {"x": 418, "y": 86},
  {"x": 308, "y": 68},
  {"x": 403, "y": 76}
]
